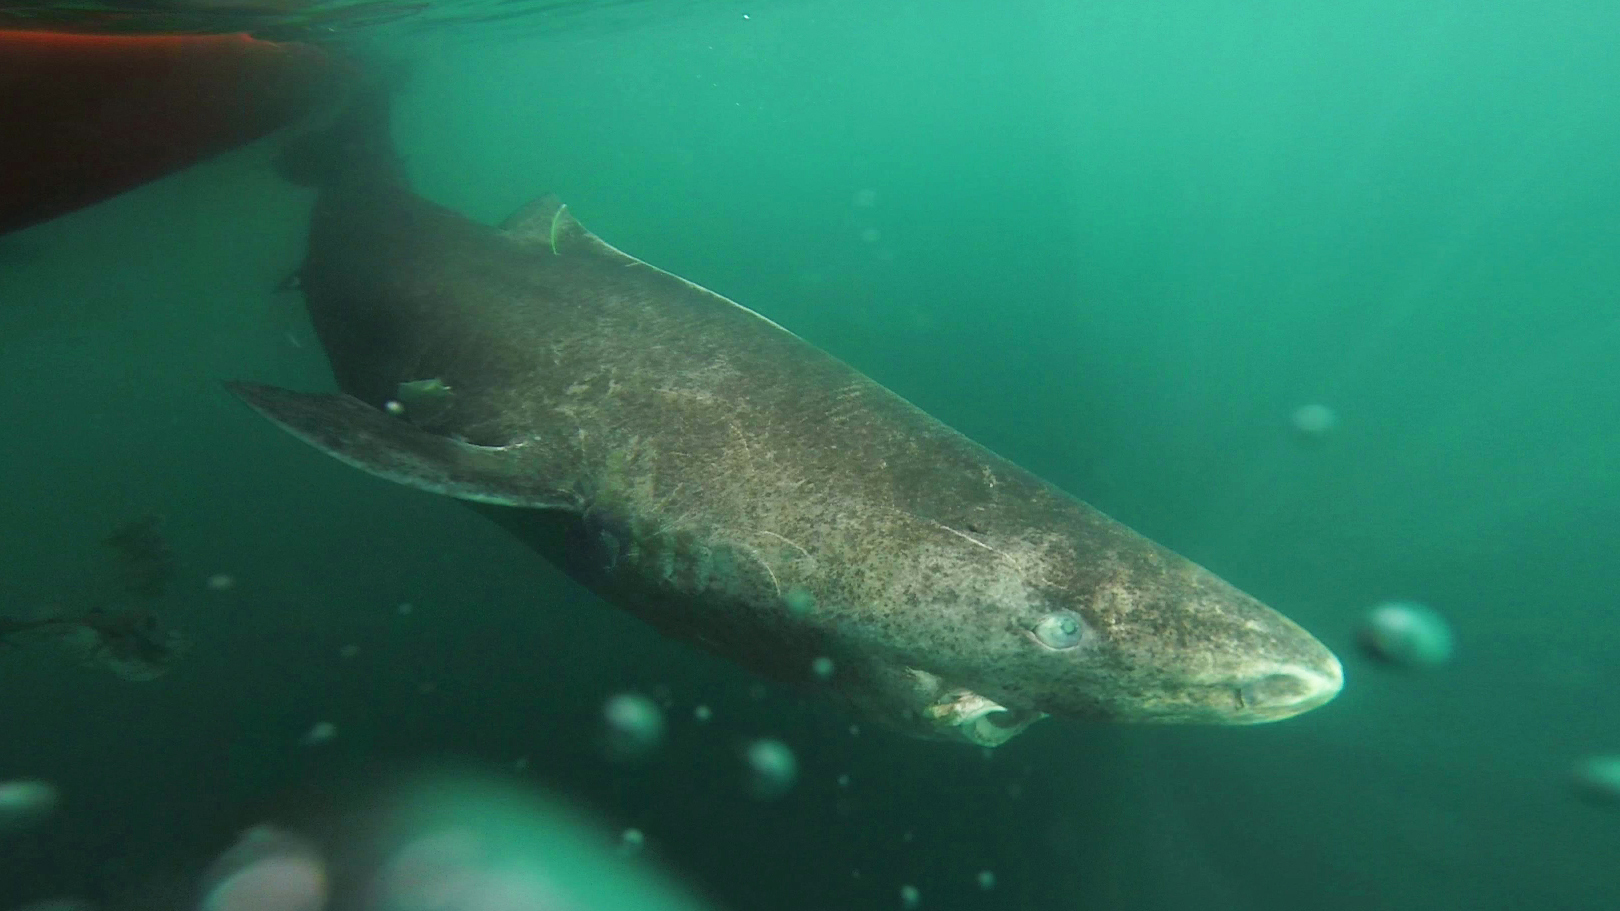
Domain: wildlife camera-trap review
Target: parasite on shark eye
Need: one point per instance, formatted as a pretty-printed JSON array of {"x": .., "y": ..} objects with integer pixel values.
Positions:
[{"x": 1060, "y": 630}]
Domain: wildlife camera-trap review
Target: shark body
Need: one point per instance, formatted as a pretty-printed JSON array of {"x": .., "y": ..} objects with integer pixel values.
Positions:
[{"x": 695, "y": 463}]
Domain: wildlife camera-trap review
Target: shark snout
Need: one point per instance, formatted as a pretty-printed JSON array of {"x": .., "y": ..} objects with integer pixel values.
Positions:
[{"x": 1289, "y": 690}]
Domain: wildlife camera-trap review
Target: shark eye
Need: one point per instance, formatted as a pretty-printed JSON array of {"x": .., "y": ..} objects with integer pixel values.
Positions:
[{"x": 1060, "y": 630}]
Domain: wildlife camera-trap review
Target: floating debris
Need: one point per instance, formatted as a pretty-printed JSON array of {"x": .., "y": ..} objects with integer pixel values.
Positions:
[
  {"x": 112, "y": 632},
  {"x": 1406, "y": 633},
  {"x": 910, "y": 897},
  {"x": 25, "y": 802},
  {"x": 1314, "y": 421},
  {"x": 1596, "y": 780},
  {"x": 266, "y": 868},
  {"x": 320, "y": 732},
  {"x": 450, "y": 843},
  {"x": 631, "y": 841},
  {"x": 130, "y": 644},
  {"x": 772, "y": 768},
  {"x": 221, "y": 582},
  {"x": 635, "y": 726},
  {"x": 146, "y": 565}
]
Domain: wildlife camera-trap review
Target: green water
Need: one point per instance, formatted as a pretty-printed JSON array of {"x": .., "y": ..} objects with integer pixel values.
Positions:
[{"x": 1117, "y": 242}]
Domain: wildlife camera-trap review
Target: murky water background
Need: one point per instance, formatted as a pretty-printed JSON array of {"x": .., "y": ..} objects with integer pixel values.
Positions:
[{"x": 1117, "y": 242}]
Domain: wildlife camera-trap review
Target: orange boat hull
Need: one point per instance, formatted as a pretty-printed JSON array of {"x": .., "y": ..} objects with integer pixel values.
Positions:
[{"x": 86, "y": 117}]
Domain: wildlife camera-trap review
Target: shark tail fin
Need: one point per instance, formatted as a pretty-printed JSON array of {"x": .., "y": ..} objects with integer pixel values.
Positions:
[{"x": 355, "y": 144}]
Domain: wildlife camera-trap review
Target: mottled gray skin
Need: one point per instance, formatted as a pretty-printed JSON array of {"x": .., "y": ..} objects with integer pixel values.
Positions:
[{"x": 732, "y": 485}]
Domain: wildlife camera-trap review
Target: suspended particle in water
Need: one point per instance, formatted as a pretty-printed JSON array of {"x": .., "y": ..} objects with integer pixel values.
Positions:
[
  {"x": 772, "y": 768},
  {"x": 220, "y": 582},
  {"x": 266, "y": 870},
  {"x": 460, "y": 868},
  {"x": 910, "y": 897},
  {"x": 987, "y": 880},
  {"x": 404, "y": 609},
  {"x": 348, "y": 651},
  {"x": 843, "y": 781},
  {"x": 520, "y": 764},
  {"x": 758, "y": 692},
  {"x": 427, "y": 688},
  {"x": 320, "y": 732},
  {"x": 865, "y": 198},
  {"x": 1314, "y": 421},
  {"x": 1406, "y": 633},
  {"x": 634, "y": 726},
  {"x": 25, "y": 802},
  {"x": 631, "y": 841},
  {"x": 871, "y": 235},
  {"x": 1596, "y": 780},
  {"x": 799, "y": 601},
  {"x": 822, "y": 667},
  {"x": 702, "y": 713},
  {"x": 854, "y": 730},
  {"x": 393, "y": 407}
]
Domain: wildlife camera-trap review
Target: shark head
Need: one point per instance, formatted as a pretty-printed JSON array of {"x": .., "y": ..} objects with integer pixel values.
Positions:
[{"x": 1095, "y": 622}]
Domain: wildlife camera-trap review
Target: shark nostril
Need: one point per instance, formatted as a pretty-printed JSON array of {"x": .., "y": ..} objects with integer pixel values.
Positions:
[
  {"x": 1289, "y": 692},
  {"x": 1291, "y": 688},
  {"x": 1273, "y": 690}
]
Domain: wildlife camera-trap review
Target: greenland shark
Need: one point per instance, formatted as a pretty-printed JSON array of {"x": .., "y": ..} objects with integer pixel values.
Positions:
[{"x": 700, "y": 466}]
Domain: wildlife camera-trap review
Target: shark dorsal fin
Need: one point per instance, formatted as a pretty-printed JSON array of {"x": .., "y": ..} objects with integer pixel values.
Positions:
[{"x": 546, "y": 222}]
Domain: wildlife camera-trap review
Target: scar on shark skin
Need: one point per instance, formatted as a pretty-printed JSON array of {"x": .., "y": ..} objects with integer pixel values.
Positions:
[
  {"x": 792, "y": 542},
  {"x": 1017, "y": 566},
  {"x": 672, "y": 524},
  {"x": 758, "y": 557}
]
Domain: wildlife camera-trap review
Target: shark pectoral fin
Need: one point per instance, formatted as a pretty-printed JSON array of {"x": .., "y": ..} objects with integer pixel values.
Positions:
[
  {"x": 368, "y": 439},
  {"x": 547, "y": 223}
]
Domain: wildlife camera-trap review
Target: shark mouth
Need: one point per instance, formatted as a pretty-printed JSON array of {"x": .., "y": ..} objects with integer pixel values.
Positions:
[{"x": 964, "y": 714}]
